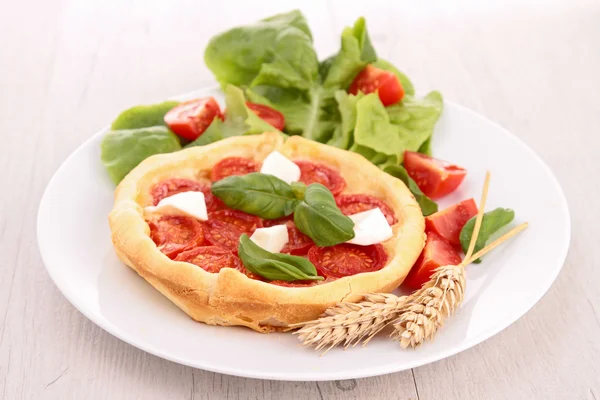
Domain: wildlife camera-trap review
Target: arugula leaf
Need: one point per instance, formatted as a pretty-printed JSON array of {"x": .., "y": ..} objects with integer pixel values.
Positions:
[
  {"x": 275, "y": 51},
  {"x": 491, "y": 223},
  {"x": 318, "y": 217},
  {"x": 143, "y": 116},
  {"x": 257, "y": 194},
  {"x": 122, "y": 150},
  {"x": 427, "y": 205},
  {"x": 275, "y": 266}
]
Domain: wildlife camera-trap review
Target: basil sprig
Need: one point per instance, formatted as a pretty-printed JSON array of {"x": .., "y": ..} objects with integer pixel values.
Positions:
[
  {"x": 491, "y": 223},
  {"x": 275, "y": 266},
  {"x": 257, "y": 194},
  {"x": 318, "y": 217}
]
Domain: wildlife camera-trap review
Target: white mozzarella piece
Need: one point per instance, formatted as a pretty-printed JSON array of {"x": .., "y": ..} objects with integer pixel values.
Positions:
[
  {"x": 370, "y": 227},
  {"x": 280, "y": 166},
  {"x": 188, "y": 204},
  {"x": 271, "y": 239}
]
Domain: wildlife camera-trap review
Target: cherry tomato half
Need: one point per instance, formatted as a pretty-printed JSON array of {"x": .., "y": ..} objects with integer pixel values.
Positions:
[
  {"x": 191, "y": 118},
  {"x": 211, "y": 258},
  {"x": 318, "y": 173},
  {"x": 347, "y": 259},
  {"x": 225, "y": 227},
  {"x": 449, "y": 222},
  {"x": 350, "y": 204},
  {"x": 436, "y": 253},
  {"x": 436, "y": 178},
  {"x": 232, "y": 166},
  {"x": 268, "y": 114},
  {"x": 386, "y": 83},
  {"x": 174, "y": 234}
]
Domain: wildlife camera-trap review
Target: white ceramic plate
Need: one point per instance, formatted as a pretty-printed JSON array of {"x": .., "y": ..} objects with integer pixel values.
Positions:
[{"x": 74, "y": 241}]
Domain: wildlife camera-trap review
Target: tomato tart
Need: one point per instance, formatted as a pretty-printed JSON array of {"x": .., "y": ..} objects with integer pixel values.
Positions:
[{"x": 194, "y": 261}]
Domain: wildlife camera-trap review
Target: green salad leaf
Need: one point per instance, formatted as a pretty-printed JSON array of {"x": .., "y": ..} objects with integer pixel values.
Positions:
[
  {"x": 343, "y": 133},
  {"x": 491, "y": 223},
  {"x": 275, "y": 266},
  {"x": 427, "y": 205},
  {"x": 122, "y": 150},
  {"x": 275, "y": 51},
  {"x": 143, "y": 116},
  {"x": 257, "y": 194},
  {"x": 318, "y": 217},
  {"x": 239, "y": 120}
]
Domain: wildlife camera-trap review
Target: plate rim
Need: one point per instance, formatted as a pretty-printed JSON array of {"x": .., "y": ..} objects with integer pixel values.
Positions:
[{"x": 332, "y": 375}]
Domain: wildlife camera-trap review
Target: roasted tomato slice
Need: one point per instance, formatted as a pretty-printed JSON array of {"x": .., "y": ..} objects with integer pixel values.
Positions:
[
  {"x": 436, "y": 253},
  {"x": 268, "y": 114},
  {"x": 318, "y": 173},
  {"x": 449, "y": 222},
  {"x": 347, "y": 259},
  {"x": 211, "y": 258},
  {"x": 298, "y": 243},
  {"x": 173, "y": 186},
  {"x": 225, "y": 227},
  {"x": 173, "y": 234},
  {"x": 351, "y": 204},
  {"x": 191, "y": 118},
  {"x": 436, "y": 178},
  {"x": 386, "y": 83},
  {"x": 232, "y": 166}
]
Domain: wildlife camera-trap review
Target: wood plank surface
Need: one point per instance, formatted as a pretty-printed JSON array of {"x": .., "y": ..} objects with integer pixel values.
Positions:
[{"x": 68, "y": 67}]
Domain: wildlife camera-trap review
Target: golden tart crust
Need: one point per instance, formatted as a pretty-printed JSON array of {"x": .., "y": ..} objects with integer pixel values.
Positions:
[{"x": 230, "y": 297}]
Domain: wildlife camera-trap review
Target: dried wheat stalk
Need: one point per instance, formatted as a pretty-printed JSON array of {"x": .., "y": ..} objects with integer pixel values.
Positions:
[
  {"x": 350, "y": 323},
  {"x": 416, "y": 317}
]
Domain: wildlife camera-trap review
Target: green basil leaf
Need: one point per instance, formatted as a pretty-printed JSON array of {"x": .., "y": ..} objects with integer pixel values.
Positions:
[
  {"x": 299, "y": 189},
  {"x": 491, "y": 223},
  {"x": 257, "y": 194},
  {"x": 318, "y": 217},
  {"x": 275, "y": 266},
  {"x": 427, "y": 205}
]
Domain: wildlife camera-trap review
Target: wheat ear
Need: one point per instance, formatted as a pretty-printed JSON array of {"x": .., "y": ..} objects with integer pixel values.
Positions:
[{"x": 350, "y": 323}]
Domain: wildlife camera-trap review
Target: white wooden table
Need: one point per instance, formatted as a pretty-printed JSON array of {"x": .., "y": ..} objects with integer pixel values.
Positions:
[{"x": 67, "y": 68}]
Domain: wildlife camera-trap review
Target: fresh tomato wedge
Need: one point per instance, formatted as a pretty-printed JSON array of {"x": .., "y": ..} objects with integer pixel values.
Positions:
[
  {"x": 191, "y": 118},
  {"x": 268, "y": 114},
  {"x": 211, "y": 258},
  {"x": 436, "y": 178},
  {"x": 386, "y": 83},
  {"x": 173, "y": 186},
  {"x": 449, "y": 222},
  {"x": 318, "y": 173},
  {"x": 350, "y": 204},
  {"x": 232, "y": 166},
  {"x": 174, "y": 235},
  {"x": 347, "y": 259},
  {"x": 436, "y": 253},
  {"x": 225, "y": 227}
]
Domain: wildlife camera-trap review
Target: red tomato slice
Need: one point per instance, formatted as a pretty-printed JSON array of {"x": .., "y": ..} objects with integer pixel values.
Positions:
[
  {"x": 436, "y": 253},
  {"x": 318, "y": 173},
  {"x": 299, "y": 243},
  {"x": 173, "y": 186},
  {"x": 386, "y": 83},
  {"x": 174, "y": 234},
  {"x": 225, "y": 227},
  {"x": 211, "y": 258},
  {"x": 449, "y": 222},
  {"x": 232, "y": 166},
  {"x": 436, "y": 178},
  {"x": 347, "y": 259},
  {"x": 350, "y": 204},
  {"x": 279, "y": 221},
  {"x": 191, "y": 118},
  {"x": 268, "y": 114}
]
